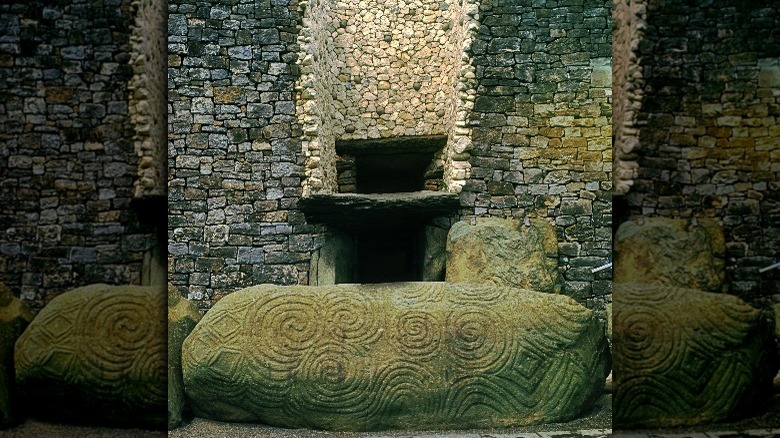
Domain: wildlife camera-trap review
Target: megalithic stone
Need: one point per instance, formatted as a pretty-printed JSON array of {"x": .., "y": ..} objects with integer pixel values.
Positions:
[
  {"x": 504, "y": 253},
  {"x": 182, "y": 317},
  {"x": 15, "y": 315},
  {"x": 395, "y": 356},
  {"x": 686, "y": 357},
  {"x": 97, "y": 354}
]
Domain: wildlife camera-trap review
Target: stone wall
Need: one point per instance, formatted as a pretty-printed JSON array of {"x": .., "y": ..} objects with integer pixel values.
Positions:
[
  {"x": 708, "y": 129},
  {"x": 257, "y": 91},
  {"x": 382, "y": 69},
  {"x": 542, "y": 130},
  {"x": 628, "y": 29},
  {"x": 235, "y": 163},
  {"x": 67, "y": 164}
]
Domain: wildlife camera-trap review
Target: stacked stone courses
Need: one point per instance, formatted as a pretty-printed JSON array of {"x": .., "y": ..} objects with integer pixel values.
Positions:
[
  {"x": 702, "y": 125},
  {"x": 67, "y": 164},
  {"x": 261, "y": 91}
]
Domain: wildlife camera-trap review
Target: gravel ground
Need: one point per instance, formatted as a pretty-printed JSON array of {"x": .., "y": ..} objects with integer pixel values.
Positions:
[{"x": 599, "y": 418}]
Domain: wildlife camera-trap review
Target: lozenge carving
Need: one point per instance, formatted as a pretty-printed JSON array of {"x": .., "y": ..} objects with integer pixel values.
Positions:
[{"x": 390, "y": 356}]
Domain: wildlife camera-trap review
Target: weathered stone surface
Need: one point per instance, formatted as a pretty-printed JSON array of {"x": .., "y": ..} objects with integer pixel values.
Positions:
[
  {"x": 97, "y": 354},
  {"x": 435, "y": 253},
  {"x": 671, "y": 252},
  {"x": 500, "y": 252},
  {"x": 15, "y": 315},
  {"x": 182, "y": 317},
  {"x": 401, "y": 355},
  {"x": 684, "y": 357}
]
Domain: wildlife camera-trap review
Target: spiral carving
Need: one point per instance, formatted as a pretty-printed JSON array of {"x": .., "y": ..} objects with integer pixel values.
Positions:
[
  {"x": 369, "y": 357},
  {"x": 105, "y": 347},
  {"x": 683, "y": 356},
  {"x": 419, "y": 335}
]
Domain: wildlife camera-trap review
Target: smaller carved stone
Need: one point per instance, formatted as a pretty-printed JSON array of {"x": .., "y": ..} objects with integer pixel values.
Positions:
[
  {"x": 15, "y": 315},
  {"x": 672, "y": 252},
  {"x": 499, "y": 252}
]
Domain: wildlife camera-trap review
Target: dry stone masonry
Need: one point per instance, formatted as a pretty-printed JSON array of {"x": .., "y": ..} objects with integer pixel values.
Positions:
[
  {"x": 264, "y": 96},
  {"x": 698, "y": 122},
  {"x": 68, "y": 169},
  {"x": 395, "y": 356}
]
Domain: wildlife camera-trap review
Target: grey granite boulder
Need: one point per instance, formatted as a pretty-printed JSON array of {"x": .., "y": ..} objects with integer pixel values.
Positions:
[
  {"x": 97, "y": 354},
  {"x": 504, "y": 253},
  {"x": 15, "y": 315},
  {"x": 394, "y": 356},
  {"x": 686, "y": 357}
]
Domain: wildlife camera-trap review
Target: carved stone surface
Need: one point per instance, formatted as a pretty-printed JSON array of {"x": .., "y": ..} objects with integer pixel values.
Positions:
[
  {"x": 15, "y": 315},
  {"x": 499, "y": 252},
  {"x": 394, "y": 356},
  {"x": 670, "y": 252},
  {"x": 183, "y": 314},
  {"x": 97, "y": 354},
  {"x": 684, "y": 357}
]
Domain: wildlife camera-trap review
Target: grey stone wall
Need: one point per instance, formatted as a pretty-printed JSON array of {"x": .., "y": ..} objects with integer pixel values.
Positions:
[
  {"x": 707, "y": 128},
  {"x": 235, "y": 162},
  {"x": 542, "y": 129},
  {"x": 67, "y": 164},
  {"x": 534, "y": 101}
]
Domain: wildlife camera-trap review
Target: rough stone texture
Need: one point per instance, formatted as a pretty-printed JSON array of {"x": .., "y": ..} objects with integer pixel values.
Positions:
[
  {"x": 401, "y": 355},
  {"x": 628, "y": 28},
  {"x": 348, "y": 208},
  {"x": 671, "y": 252},
  {"x": 14, "y": 318},
  {"x": 382, "y": 69},
  {"x": 182, "y": 317},
  {"x": 253, "y": 120},
  {"x": 504, "y": 253},
  {"x": 684, "y": 357},
  {"x": 67, "y": 166},
  {"x": 97, "y": 354},
  {"x": 148, "y": 100},
  {"x": 435, "y": 257},
  {"x": 706, "y": 126}
]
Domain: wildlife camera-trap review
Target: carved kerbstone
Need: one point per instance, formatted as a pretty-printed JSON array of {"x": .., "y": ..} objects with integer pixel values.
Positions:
[
  {"x": 182, "y": 317},
  {"x": 685, "y": 357},
  {"x": 97, "y": 354},
  {"x": 14, "y": 317},
  {"x": 503, "y": 253},
  {"x": 394, "y": 356},
  {"x": 671, "y": 252}
]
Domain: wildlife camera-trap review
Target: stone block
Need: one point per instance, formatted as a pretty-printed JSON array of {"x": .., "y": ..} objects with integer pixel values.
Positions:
[
  {"x": 15, "y": 315},
  {"x": 182, "y": 317},
  {"x": 671, "y": 252},
  {"x": 502, "y": 253},
  {"x": 97, "y": 354},
  {"x": 686, "y": 357},
  {"x": 394, "y": 356}
]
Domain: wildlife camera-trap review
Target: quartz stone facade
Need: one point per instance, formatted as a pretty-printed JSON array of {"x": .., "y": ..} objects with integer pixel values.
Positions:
[{"x": 260, "y": 93}]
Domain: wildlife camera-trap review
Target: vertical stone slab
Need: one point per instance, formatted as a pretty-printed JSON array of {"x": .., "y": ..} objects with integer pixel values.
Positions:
[
  {"x": 97, "y": 355},
  {"x": 503, "y": 253},
  {"x": 15, "y": 315},
  {"x": 671, "y": 252},
  {"x": 182, "y": 317}
]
